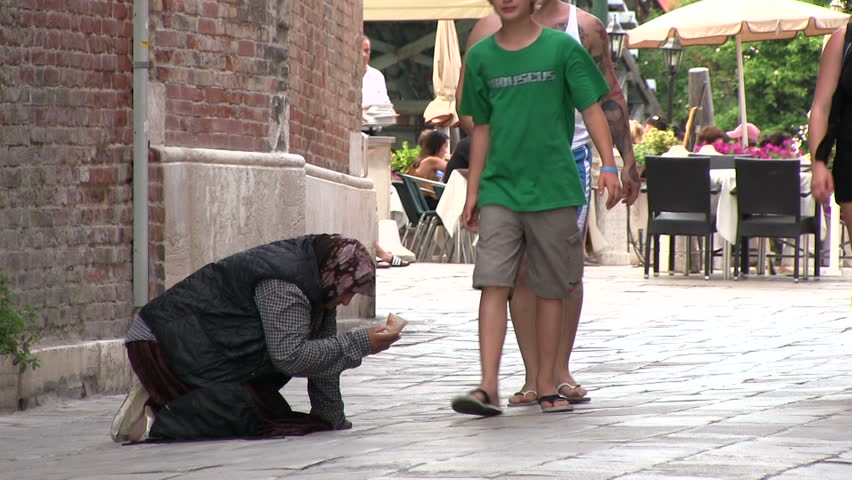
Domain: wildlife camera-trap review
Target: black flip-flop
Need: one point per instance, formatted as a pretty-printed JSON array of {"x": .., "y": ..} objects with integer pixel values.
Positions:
[
  {"x": 469, "y": 404},
  {"x": 553, "y": 408},
  {"x": 398, "y": 262}
]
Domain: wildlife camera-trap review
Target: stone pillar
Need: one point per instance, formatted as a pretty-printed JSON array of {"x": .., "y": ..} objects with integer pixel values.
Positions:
[
  {"x": 378, "y": 170},
  {"x": 607, "y": 228}
]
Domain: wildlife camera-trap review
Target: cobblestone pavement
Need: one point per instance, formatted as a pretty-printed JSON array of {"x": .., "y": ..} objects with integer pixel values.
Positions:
[{"x": 690, "y": 379}]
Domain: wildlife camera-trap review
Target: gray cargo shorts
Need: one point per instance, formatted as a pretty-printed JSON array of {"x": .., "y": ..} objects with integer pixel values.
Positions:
[{"x": 551, "y": 241}]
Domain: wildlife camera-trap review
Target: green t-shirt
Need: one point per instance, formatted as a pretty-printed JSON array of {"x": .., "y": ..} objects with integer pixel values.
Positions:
[{"x": 528, "y": 98}]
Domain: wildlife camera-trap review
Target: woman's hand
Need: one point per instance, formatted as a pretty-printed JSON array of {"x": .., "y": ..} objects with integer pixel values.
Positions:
[
  {"x": 381, "y": 339},
  {"x": 822, "y": 183}
]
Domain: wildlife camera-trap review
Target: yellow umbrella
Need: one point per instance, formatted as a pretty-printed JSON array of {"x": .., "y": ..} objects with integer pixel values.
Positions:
[
  {"x": 712, "y": 22},
  {"x": 402, "y": 10},
  {"x": 446, "y": 64}
]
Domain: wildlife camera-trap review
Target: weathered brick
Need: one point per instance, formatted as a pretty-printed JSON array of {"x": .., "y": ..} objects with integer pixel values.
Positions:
[{"x": 65, "y": 110}]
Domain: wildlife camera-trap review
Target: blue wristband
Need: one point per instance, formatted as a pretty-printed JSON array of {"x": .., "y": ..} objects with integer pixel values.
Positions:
[{"x": 610, "y": 170}]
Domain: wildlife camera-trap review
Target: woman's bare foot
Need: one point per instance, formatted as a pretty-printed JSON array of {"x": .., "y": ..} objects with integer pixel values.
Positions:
[
  {"x": 569, "y": 390},
  {"x": 526, "y": 396}
]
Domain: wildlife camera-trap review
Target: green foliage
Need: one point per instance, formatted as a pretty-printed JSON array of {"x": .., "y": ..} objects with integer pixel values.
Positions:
[
  {"x": 654, "y": 142},
  {"x": 780, "y": 77},
  {"x": 404, "y": 157},
  {"x": 19, "y": 329}
]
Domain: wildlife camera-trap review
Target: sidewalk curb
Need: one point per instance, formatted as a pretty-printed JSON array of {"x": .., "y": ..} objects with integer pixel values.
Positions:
[
  {"x": 67, "y": 371},
  {"x": 83, "y": 369}
]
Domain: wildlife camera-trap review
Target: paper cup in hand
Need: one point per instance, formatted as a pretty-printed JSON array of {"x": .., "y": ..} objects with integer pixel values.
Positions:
[{"x": 396, "y": 323}]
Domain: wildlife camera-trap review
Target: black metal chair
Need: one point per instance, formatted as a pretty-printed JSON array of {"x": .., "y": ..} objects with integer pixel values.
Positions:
[
  {"x": 678, "y": 204},
  {"x": 428, "y": 220},
  {"x": 769, "y": 206}
]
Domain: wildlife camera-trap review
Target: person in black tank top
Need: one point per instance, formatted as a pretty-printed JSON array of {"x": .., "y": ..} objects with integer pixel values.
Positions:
[{"x": 830, "y": 125}]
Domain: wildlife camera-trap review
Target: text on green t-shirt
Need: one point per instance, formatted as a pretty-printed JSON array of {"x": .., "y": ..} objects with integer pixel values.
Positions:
[{"x": 528, "y": 97}]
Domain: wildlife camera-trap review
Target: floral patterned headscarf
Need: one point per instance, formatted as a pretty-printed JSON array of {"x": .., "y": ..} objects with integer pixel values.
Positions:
[{"x": 345, "y": 266}]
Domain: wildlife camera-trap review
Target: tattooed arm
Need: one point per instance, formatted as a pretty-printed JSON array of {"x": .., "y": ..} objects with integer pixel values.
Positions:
[{"x": 594, "y": 38}]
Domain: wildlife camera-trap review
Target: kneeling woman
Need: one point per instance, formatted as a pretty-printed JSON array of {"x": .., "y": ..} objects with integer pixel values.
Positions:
[{"x": 213, "y": 351}]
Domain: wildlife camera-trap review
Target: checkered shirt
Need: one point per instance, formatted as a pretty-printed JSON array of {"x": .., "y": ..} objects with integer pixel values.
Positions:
[{"x": 320, "y": 354}]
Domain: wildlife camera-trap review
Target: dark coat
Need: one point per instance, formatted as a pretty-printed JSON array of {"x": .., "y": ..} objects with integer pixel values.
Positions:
[{"x": 208, "y": 324}]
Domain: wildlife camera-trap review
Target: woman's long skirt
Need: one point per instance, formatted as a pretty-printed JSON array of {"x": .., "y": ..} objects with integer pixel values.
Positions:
[{"x": 228, "y": 410}]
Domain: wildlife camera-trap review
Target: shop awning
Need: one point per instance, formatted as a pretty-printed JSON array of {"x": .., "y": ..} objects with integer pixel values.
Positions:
[{"x": 409, "y": 10}]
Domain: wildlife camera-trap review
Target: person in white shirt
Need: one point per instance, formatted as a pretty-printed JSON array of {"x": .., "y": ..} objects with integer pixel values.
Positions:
[{"x": 374, "y": 90}]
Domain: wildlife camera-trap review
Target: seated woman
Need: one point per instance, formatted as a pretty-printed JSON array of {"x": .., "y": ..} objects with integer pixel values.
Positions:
[
  {"x": 213, "y": 351},
  {"x": 711, "y": 141},
  {"x": 636, "y": 132},
  {"x": 434, "y": 146}
]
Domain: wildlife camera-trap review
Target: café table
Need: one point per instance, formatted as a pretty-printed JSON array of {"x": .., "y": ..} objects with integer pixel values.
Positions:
[
  {"x": 450, "y": 209},
  {"x": 725, "y": 180}
]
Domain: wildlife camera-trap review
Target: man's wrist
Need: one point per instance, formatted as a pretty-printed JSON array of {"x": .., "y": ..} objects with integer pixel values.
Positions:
[{"x": 610, "y": 169}]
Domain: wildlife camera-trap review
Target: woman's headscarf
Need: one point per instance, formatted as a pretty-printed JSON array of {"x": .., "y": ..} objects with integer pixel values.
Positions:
[{"x": 345, "y": 266}]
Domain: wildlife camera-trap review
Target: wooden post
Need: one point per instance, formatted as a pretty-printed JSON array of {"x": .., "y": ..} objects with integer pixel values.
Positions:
[{"x": 700, "y": 96}]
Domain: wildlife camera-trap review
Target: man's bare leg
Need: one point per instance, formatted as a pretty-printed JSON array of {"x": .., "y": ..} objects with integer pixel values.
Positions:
[
  {"x": 548, "y": 324},
  {"x": 492, "y": 334},
  {"x": 571, "y": 310},
  {"x": 523, "y": 310}
]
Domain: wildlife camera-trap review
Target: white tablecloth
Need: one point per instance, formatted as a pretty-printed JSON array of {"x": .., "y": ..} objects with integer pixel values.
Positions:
[
  {"x": 397, "y": 211},
  {"x": 451, "y": 205},
  {"x": 726, "y": 210}
]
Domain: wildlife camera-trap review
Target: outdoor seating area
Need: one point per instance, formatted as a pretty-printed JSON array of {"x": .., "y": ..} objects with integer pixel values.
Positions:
[
  {"x": 707, "y": 213},
  {"x": 433, "y": 235},
  {"x": 709, "y": 205},
  {"x": 757, "y": 199}
]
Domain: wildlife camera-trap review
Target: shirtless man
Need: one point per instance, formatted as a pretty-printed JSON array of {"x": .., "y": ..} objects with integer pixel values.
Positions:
[{"x": 591, "y": 33}]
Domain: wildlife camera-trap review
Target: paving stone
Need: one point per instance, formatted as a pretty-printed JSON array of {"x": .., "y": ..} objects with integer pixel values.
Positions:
[{"x": 689, "y": 379}]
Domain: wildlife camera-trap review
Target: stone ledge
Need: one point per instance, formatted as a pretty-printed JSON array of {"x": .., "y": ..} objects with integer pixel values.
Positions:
[
  {"x": 67, "y": 371},
  {"x": 338, "y": 177},
  {"x": 228, "y": 157}
]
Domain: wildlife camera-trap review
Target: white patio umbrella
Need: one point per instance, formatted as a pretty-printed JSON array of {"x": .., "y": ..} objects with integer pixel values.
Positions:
[
  {"x": 712, "y": 22},
  {"x": 446, "y": 65}
]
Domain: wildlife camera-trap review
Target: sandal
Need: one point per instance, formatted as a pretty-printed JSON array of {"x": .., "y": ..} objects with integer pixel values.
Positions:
[
  {"x": 381, "y": 263},
  {"x": 572, "y": 397},
  {"x": 398, "y": 262},
  {"x": 471, "y": 405},
  {"x": 524, "y": 402},
  {"x": 554, "y": 408}
]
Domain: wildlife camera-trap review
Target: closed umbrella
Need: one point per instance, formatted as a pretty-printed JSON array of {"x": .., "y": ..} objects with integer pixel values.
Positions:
[
  {"x": 446, "y": 64},
  {"x": 712, "y": 22}
]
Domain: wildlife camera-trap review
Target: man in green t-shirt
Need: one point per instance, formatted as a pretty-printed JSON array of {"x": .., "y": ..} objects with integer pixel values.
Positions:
[
  {"x": 522, "y": 85},
  {"x": 591, "y": 33}
]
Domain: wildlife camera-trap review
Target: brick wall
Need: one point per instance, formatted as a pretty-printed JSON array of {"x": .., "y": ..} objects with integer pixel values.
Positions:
[
  {"x": 65, "y": 136},
  {"x": 222, "y": 66},
  {"x": 325, "y": 79}
]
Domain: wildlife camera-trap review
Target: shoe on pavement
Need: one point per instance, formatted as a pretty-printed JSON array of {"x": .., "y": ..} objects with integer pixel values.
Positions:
[
  {"x": 469, "y": 404},
  {"x": 573, "y": 396},
  {"x": 142, "y": 427},
  {"x": 554, "y": 408},
  {"x": 131, "y": 410}
]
